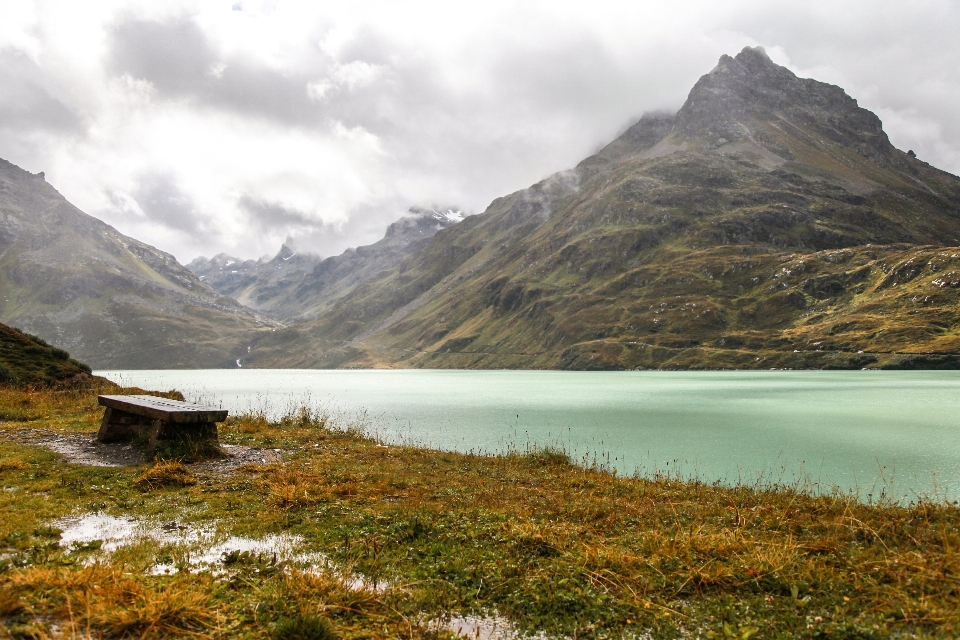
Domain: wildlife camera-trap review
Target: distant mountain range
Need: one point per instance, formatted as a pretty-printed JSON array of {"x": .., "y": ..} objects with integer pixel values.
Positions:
[
  {"x": 768, "y": 223},
  {"x": 111, "y": 300},
  {"x": 294, "y": 286},
  {"x": 261, "y": 284}
]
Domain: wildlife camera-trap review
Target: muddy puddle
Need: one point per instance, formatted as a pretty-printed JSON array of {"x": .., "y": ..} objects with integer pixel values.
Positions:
[
  {"x": 106, "y": 533},
  {"x": 488, "y": 628},
  {"x": 93, "y": 535}
]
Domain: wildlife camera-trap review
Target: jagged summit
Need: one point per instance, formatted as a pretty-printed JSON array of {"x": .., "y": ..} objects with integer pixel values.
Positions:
[
  {"x": 286, "y": 252},
  {"x": 750, "y": 61},
  {"x": 746, "y": 96},
  {"x": 421, "y": 222},
  {"x": 221, "y": 260},
  {"x": 203, "y": 266},
  {"x": 749, "y": 107}
]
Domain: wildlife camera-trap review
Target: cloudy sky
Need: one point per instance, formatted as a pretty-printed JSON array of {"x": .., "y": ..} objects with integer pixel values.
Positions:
[{"x": 203, "y": 127}]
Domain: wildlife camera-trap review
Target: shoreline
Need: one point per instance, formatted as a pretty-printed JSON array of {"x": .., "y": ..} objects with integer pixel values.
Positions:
[
  {"x": 855, "y": 431},
  {"x": 387, "y": 540}
]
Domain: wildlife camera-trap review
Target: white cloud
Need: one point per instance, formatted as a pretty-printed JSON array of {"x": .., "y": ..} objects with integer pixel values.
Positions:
[
  {"x": 317, "y": 89},
  {"x": 349, "y": 77},
  {"x": 356, "y": 74},
  {"x": 18, "y": 29},
  {"x": 334, "y": 118}
]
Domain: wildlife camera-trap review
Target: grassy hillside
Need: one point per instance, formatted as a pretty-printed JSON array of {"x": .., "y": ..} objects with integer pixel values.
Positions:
[
  {"x": 29, "y": 360},
  {"x": 769, "y": 223},
  {"x": 344, "y": 537},
  {"x": 879, "y": 306}
]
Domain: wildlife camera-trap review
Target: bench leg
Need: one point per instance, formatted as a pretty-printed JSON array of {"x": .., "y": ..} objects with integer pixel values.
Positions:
[
  {"x": 119, "y": 426},
  {"x": 195, "y": 433},
  {"x": 156, "y": 432}
]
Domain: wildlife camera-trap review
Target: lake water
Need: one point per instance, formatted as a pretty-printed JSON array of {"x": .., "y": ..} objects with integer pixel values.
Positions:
[{"x": 862, "y": 431}]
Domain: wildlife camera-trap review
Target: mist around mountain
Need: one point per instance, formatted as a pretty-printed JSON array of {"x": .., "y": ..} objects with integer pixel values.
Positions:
[
  {"x": 258, "y": 284},
  {"x": 295, "y": 285},
  {"x": 111, "y": 300},
  {"x": 768, "y": 223}
]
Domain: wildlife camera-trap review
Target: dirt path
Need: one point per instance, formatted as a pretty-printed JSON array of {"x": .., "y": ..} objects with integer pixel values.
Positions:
[{"x": 83, "y": 448}]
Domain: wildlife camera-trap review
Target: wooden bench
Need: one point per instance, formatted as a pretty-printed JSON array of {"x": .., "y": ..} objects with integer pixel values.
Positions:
[{"x": 130, "y": 417}]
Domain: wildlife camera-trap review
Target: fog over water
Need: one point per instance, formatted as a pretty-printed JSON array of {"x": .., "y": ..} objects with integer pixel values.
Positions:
[
  {"x": 202, "y": 127},
  {"x": 870, "y": 432}
]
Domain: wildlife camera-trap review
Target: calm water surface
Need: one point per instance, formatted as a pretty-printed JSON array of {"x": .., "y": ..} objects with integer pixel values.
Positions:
[{"x": 857, "y": 430}]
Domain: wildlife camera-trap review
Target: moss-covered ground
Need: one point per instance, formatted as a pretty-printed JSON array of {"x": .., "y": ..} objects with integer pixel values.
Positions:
[{"x": 408, "y": 536}]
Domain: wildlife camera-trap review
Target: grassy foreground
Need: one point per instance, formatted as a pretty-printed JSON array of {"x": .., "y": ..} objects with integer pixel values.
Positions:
[{"x": 402, "y": 537}]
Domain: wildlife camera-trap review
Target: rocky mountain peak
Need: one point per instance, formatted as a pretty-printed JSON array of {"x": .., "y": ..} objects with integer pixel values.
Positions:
[
  {"x": 743, "y": 95},
  {"x": 286, "y": 252},
  {"x": 221, "y": 260},
  {"x": 420, "y": 222},
  {"x": 768, "y": 221},
  {"x": 114, "y": 301},
  {"x": 752, "y": 60}
]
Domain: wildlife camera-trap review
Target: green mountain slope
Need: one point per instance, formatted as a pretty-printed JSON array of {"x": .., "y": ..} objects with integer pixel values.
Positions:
[
  {"x": 768, "y": 223},
  {"x": 113, "y": 301}
]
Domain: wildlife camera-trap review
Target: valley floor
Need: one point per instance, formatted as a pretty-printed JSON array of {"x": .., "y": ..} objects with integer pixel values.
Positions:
[{"x": 324, "y": 532}]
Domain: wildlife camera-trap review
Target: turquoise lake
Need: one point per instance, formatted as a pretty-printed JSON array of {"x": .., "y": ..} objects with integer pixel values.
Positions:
[{"x": 862, "y": 431}]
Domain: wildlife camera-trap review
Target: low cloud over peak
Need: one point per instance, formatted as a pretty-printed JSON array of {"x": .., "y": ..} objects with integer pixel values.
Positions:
[{"x": 227, "y": 127}]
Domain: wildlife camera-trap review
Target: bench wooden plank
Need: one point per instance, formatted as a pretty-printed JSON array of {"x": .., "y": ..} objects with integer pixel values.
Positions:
[{"x": 164, "y": 409}]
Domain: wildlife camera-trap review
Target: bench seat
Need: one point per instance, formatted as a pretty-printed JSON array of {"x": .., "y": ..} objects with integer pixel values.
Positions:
[{"x": 148, "y": 417}]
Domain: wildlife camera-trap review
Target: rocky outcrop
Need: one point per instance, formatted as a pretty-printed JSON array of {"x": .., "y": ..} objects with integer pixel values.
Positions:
[{"x": 258, "y": 284}]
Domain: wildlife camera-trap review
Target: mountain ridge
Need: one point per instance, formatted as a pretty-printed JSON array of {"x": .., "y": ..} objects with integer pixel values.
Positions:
[
  {"x": 112, "y": 300},
  {"x": 304, "y": 288},
  {"x": 712, "y": 208}
]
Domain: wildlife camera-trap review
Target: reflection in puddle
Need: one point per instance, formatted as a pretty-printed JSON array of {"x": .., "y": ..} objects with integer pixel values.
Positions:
[
  {"x": 114, "y": 532},
  {"x": 481, "y": 628},
  {"x": 485, "y": 628},
  {"x": 96, "y": 527},
  {"x": 355, "y": 582},
  {"x": 272, "y": 549},
  {"x": 235, "y": 551},
  {"x": 98, "y": 532}
]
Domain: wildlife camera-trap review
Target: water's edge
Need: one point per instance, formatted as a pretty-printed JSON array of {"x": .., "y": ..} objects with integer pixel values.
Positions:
[{"x": 873, "y": 433}]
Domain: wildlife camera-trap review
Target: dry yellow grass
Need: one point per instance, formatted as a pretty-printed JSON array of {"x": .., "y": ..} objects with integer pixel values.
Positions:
[
  {"x": 170, "y": 473},
  {"x": 13, "y": 464},
  {"x": 550, "y": 545}
]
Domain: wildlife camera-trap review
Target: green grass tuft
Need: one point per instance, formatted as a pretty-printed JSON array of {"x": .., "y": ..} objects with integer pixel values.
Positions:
[{"x": 304, "y": 627}]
